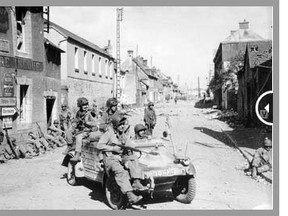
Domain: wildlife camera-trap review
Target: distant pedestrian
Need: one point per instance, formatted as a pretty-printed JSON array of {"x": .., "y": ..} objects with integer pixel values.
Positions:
[
  {"x": 262, "y": 160},
  {"x": 175, "y": 100},
  {"x": 150, "y": 118}
]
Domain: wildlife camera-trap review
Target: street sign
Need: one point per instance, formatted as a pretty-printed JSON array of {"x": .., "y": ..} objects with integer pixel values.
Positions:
[
  {"x": 7, "y": 122},
  {"x": 8, "y": 111},
  {"x": 7, "y": 101}
]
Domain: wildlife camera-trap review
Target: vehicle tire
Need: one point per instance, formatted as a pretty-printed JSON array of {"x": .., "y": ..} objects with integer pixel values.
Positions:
[
  {"x": 115, "y": 198},
  {"x": 184, "y": 189},
  {"x": 71, "y": 178}
]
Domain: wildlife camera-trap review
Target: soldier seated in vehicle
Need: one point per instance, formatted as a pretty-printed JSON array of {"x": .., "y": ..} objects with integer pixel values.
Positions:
[
  {"x": 262, "y": 160},
  {"x": 111, "y": 110},
  {"x": 85, "y": 124},
  {"x": 112, "y": 157},
  {"x": 140, "y": 132}
]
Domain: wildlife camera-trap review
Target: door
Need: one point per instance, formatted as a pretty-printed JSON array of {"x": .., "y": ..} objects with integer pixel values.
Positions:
[{"x": 49, "y": 108}]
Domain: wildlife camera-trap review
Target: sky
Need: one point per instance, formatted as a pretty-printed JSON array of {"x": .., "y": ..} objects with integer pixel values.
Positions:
[{"x": 180, "y": 41}]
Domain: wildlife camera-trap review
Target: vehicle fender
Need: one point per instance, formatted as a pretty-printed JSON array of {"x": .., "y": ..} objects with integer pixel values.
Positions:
[
  {"x": 191, "y": 169},
  {"x": 79, "y": 169},
  {"x": 67, "y": 159}
]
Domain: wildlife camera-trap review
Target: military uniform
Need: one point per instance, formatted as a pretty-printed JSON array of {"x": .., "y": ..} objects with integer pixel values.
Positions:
[
  {"x": 150, "y": 118},
  {"x": 114, "y": 161},
  {"x": 262, "y": 160},
  {"x": 65, "y": 118}
]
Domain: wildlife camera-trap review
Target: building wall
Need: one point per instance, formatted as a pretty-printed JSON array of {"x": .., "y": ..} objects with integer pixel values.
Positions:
[
  {"x": 98, "y": 85},
  {"x": 30, "y": 78},
  {"x": 93, "y": 86}
]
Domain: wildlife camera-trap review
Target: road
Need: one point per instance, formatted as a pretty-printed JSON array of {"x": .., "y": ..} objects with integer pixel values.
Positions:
[{"x": 40, "y": 183}]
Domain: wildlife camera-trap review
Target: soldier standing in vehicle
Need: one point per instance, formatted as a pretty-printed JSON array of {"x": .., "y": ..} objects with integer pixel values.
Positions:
[
  {"x": 112, "y": 156},
  {"x": 64, "y": 117},
  {"x": 150, "y": 118},
  {"x": 84, "y": 125},
  {"x": 262, "y": 160}
]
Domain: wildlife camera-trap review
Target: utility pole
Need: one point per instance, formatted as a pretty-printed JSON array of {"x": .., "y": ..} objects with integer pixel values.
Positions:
[
  {"x": 119, "y": 19},
  {"x": 199, "y": 95}
]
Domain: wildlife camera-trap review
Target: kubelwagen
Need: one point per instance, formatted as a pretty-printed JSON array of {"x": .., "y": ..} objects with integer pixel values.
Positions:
[{"x": 162, "y": 172}]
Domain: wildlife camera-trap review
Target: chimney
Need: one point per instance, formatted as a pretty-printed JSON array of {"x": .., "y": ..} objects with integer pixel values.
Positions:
[
  {"x": 145, "y": 62},
  {"x": 108, "y": 48},
  {"x": 130, "y": 53},
  {"x": 232, "y": 32},
  {"x": 141, "y": 59},
  {"x": 244, "y": 24}
]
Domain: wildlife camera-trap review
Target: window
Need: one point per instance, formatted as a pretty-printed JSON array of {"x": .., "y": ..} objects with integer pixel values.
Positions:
[
  {"x": 93, "y": 65},
  {"x": 106, "y": 68},
  {"x": 20, "y": 22},
  {"x": 25, "y": 104},
  {"x": 100, "y": 67},
  {"x": 76, "y": 60},
  {"x": 85, "y": 63},
  {"x": 111, "y": 69}
]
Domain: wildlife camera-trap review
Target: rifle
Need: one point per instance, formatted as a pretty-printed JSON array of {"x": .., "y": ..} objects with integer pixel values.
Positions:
[
  {"x": 40, "y": 130},
  {"x": 9, "y": 142},
  {"x": 135, "y": 149}
]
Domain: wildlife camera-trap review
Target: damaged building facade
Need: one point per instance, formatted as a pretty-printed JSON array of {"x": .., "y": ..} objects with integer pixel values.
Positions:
[
  {"x": 30, "y": 78},
  {"x": 230, "y": 56}
]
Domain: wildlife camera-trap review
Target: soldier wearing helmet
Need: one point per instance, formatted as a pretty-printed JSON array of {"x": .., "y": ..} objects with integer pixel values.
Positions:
[
  {"x": 114, "y": 160},
  {"x": 64, "y": 117},
  {"x": 262, "y": 160},
  {"x": 150, "y": 118},
  {"x": 111, "y": 109},
  {"x": 84, "y": 125},
  {"x": 140, "y": 131}
]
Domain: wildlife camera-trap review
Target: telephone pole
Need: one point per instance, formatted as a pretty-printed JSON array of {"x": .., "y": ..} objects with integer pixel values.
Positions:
[
  {"x": 199, "y": 94},
  {"x": 119, "y": 19}
]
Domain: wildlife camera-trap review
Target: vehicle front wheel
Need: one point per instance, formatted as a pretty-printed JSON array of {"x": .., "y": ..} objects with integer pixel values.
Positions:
[
  {"x": 184, "y": 189},
  {"x": 71, "y": 177},
  {"x": 115, "y": 198}
]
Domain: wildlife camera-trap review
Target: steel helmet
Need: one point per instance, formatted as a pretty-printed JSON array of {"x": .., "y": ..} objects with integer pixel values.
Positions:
[
  {"x": 55, "y": 121},
  {"x": 82, "y": 101},
  {"x": 150, "y": 104},
  {"x": 111, "y": 102},
  {"x": 118, "y": 120},
  {"x": 138, "y": 128},
  {"x": 267, "y": 142}
]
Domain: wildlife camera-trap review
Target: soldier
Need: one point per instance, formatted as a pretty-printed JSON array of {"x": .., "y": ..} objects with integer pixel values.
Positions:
[
  {"x": 111, "y": 109},
  {"x": 34, "y": 143},
  {"x": 57, "y": 133},
  {"x": 112, "y": 156},
  {"x": 65, "y": 117},
  {"x": 140, "y": 131},
  {"x": 150, "y": 118},
  {"x": 85, "y": 124},
  {"x": 262, "y": 160}
]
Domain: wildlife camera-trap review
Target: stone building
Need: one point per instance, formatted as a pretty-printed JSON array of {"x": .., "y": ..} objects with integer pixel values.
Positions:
[
  {"x": 29, "y": 80},
  {"x": 86, "y": 69},
  {"x": 231, "y": 51}
]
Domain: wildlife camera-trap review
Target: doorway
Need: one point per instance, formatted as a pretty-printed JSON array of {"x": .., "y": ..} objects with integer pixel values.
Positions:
[{"x": 49, "y": 109}]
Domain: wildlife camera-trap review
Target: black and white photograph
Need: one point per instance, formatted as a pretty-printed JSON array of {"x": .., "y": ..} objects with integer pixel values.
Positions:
[{"x": 136, "y": 108}]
